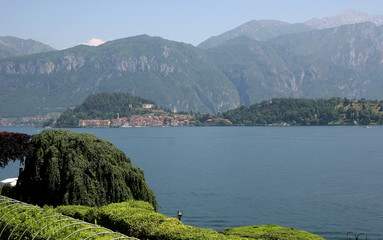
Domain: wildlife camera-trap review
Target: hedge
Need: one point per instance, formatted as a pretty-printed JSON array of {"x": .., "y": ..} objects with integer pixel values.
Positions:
[{"x": 138, "y": 219}]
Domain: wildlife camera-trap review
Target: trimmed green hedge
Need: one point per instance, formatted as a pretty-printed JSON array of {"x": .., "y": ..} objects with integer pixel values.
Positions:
[{"x": 138, "y": 219}]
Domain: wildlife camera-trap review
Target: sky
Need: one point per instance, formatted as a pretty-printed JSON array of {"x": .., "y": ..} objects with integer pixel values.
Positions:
[{"x": 66, "y": 23}]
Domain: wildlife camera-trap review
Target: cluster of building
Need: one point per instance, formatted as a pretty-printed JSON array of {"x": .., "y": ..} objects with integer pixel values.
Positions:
[
  {"x": 140, "y": 121},
  {"x": 94, "y": 123}
]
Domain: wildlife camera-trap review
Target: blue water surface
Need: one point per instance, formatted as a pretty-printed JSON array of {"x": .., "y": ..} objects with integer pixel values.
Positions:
[{"x": 325, "y": 180}]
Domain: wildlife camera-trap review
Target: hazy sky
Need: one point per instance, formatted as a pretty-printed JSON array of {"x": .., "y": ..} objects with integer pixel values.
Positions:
[{"x": 66, "y": 23}]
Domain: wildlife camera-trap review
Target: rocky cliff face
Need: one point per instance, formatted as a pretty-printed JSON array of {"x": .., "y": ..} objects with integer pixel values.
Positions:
[
  {"x": 343, "y": 62},
  {"x": 41, "y": 66},
  {"x": 349, "y": 45},
  {"x": 70, "y": 62}
]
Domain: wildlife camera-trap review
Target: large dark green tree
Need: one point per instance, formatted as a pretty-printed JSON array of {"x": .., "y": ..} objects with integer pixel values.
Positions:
[
  {"x": 13, "y": 147},
  {"x": 69, "y": 168}
]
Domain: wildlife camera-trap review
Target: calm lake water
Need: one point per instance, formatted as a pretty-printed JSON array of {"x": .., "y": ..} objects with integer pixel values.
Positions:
[{"x": 325, "y": 180}]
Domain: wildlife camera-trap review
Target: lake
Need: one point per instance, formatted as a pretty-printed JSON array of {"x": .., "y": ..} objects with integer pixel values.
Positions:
[{"x": 325, "y": 180}]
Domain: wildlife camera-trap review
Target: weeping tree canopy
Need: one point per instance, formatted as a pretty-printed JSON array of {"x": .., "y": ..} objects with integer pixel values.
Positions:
[
  {"x": 14, "y": 146},
  {"x": 69, "y": 168}
]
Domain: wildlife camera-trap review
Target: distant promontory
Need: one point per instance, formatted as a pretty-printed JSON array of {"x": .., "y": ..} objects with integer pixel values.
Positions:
[{"x": 124, "y": 110}]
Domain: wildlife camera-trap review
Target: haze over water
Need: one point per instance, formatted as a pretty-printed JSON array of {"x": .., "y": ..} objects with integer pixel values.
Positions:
[{"x": 325, "y": 180}]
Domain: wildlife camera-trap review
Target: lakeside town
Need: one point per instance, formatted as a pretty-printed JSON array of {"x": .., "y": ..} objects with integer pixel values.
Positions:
[
  {"x": 133, "y": 121},
  {"x": 139, "y": 121},
  {"x": 148, "y": 121},
  {"x": 157, "y": 118}
]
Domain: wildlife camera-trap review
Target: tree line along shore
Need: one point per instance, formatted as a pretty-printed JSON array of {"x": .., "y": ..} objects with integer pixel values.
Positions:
[{"x": 120, "y": 109}]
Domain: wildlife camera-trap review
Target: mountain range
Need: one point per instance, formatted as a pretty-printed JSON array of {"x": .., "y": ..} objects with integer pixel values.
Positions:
[
  {"x": 347, "y": 17},
  {"x": 258, "y": 60}
]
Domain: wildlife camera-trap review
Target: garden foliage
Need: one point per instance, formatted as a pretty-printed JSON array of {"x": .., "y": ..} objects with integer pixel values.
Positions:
[
  {"x": 138, "y": 219},
  {"x": 70, "y": 168},
  {"x": 19, "y": 220}
]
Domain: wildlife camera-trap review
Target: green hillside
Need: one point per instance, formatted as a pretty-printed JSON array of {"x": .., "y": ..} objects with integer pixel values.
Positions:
[
  {"x": 290, "y": 111},
  {"x": 104, "y": 106}
]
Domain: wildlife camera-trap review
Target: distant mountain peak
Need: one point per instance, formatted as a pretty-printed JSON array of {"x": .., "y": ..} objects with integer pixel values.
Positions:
[
  {"x": 347, "y": 17},
  {"x": 14, "y": 46},
  {"x": 260, "y": 30}
]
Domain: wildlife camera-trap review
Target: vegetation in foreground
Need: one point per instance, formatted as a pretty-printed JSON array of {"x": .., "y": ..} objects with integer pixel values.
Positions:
[
  {"x": 71, "y": 168},
  {"x": 23, "y": 221},
  {"x": 138, "y": 219},
  {"x": 132, "y": 218}
]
